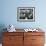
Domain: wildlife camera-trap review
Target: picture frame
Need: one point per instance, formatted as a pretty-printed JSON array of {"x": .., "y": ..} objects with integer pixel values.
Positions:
[{"x": 26, "y": 14}]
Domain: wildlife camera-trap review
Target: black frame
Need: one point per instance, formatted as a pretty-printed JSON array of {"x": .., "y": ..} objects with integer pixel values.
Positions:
[{"x": 26, "y": 14}]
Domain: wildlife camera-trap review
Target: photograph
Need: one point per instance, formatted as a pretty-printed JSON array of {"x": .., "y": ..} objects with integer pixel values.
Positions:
[{"x": 26, "y": 14}]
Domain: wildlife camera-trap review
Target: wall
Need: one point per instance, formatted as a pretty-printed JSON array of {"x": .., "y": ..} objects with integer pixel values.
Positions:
[{"x": 9, "y": 13}]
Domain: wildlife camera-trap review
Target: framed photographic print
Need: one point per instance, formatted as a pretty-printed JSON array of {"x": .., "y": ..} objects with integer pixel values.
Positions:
[{"x": 26, "y": 14}]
